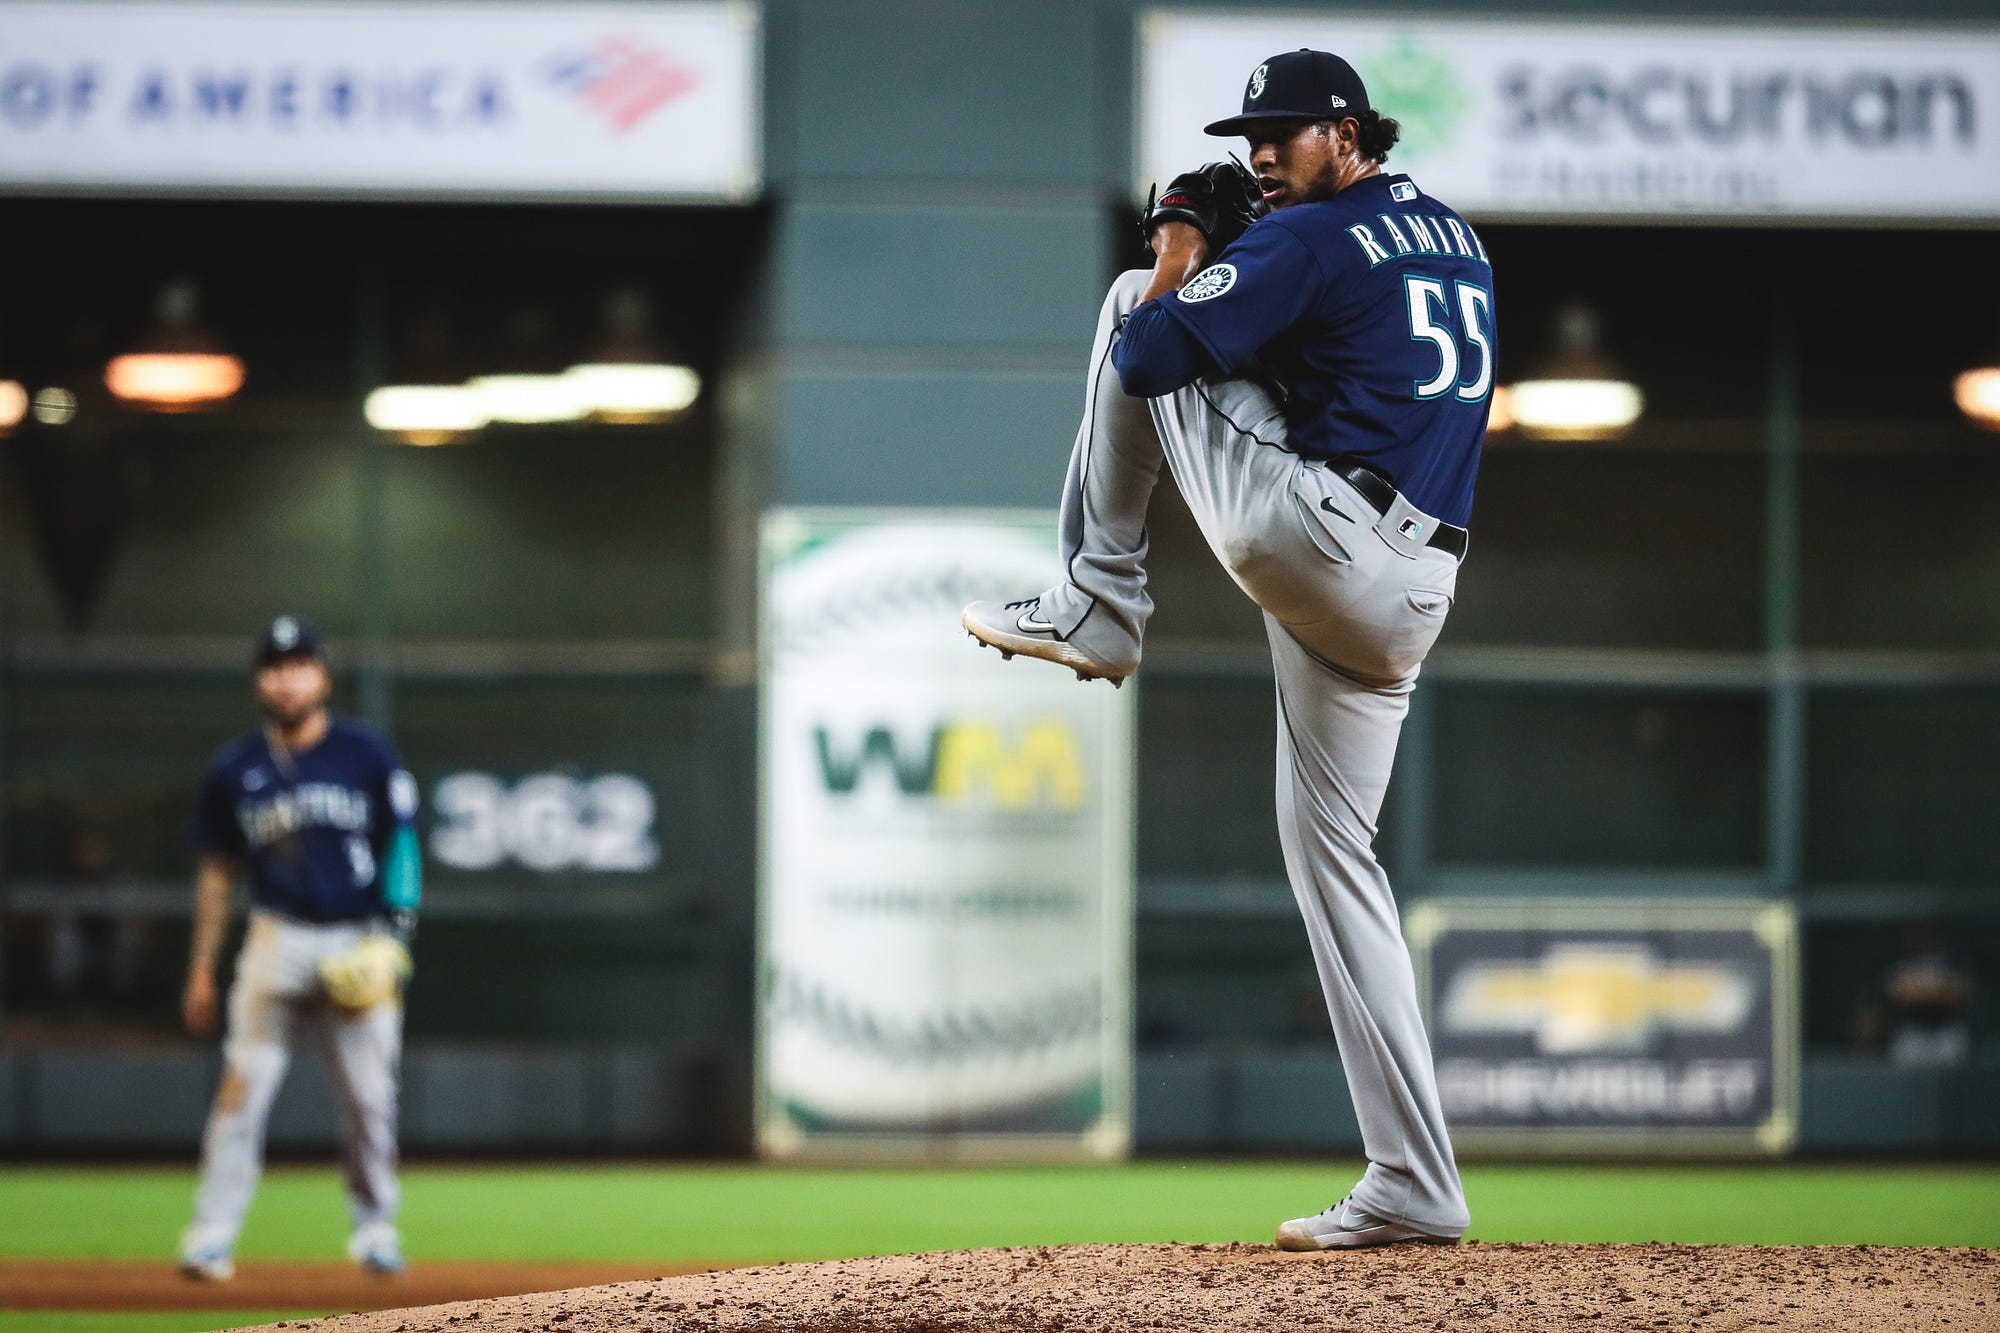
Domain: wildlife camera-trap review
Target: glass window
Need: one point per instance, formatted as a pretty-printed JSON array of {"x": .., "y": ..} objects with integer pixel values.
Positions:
[
  {"x": 1204, "y": 777},
  {"x": 1901, "y": 786},
  {"x": 1544, "y": 776},
  {"x": 1613, "y": 547},
  {"x": 1901, "y": 546},
  {"x": 102, "y": 769}
]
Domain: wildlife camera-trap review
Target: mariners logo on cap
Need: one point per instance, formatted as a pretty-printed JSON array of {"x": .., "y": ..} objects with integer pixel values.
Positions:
[
  {"x": 284, "y": 634},
  {"x": 1257, "y": 81}
]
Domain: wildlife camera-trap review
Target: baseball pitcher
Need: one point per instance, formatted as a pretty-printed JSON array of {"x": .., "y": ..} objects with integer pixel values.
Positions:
[
  {"x": 318, "y": 813},
  {"x": 1312, "y": 354}
]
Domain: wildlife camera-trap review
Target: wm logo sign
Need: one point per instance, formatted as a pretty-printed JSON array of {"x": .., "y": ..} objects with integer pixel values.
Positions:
[{"x": 966, "y": 763}]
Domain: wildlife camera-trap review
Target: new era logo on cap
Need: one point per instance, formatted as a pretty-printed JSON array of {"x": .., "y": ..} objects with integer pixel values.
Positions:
[{"x": 1339, "y": 101}]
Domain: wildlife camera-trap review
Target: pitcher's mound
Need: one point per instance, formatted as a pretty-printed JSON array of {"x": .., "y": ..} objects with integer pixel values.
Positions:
[{"x": 1114, "y": 1288}]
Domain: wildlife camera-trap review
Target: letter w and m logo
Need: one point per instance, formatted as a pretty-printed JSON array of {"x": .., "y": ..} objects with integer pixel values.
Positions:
[{"x": 967, "y": 763}]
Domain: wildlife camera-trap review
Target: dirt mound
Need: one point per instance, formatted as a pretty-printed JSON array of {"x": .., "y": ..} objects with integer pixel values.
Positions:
[
  {"x": 127, "y": 1284},
  {"x": 1114, "y": 1288}
]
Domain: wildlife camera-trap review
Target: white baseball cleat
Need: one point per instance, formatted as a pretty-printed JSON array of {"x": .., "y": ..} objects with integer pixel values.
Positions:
[
  {"x": 1345, "y": 1227},
  {"x": 207, "y": 1263},
  {"x": 1018, "y": 627},
  {"x": 378, "y": 1249}
]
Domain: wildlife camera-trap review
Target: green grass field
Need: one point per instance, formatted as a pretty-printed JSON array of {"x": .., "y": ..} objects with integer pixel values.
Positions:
[{"x": 747, "y": 1213}]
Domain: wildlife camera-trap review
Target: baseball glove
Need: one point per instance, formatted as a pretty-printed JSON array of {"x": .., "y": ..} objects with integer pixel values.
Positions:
[
  {"x": 366, "y": 974},
  {"x": 1219, "y": 198}
]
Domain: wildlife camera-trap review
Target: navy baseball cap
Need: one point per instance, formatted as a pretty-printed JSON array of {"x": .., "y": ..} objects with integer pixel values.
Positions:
[
  {"x": 1298, "y": 85},
  {"x": 288, "y": 636}
]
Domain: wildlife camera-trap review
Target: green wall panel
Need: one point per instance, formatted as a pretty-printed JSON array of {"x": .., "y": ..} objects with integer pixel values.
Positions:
[
  {"x": 926, "y": 436},
  {"x": 907, "y": 274}
]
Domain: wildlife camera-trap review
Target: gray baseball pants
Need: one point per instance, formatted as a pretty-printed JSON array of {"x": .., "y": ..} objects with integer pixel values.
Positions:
[
  {"x": 1351, "y": 606},
  {"x": 276, "y": 997}
]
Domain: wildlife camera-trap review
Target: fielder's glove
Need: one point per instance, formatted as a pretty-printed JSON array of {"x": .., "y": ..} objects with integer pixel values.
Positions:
[
  {"x": 1219, "y": 199},
  {"x": 369, "y": 973}
]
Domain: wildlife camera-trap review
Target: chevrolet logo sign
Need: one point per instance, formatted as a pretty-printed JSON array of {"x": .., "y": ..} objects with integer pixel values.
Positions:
[{"x": 1596, "y": 997}]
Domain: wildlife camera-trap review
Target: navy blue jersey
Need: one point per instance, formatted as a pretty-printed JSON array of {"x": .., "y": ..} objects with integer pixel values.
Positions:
[
  {"x": 1374, "y": 311},
  {"x": 313, "y": 828}
]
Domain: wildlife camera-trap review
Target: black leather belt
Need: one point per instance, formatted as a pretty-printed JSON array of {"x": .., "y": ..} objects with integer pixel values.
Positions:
[{"x": 1377, "y": 490}]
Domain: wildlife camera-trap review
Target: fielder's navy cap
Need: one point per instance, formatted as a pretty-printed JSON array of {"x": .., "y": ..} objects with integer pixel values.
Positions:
[
  {"x": 288, "y": 636},
  {"x": 1298, "y": 85}
]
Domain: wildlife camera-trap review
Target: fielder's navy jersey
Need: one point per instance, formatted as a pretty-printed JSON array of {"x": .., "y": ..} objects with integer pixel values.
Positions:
[
  {"x": 1374, "y": 311},
  {"x": 312, "y": 828}
]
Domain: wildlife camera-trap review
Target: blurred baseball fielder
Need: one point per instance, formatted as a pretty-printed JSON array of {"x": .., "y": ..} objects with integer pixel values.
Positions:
[
  {"x": 318, "y": 813},
  {"x": 1312, "y": 354}
]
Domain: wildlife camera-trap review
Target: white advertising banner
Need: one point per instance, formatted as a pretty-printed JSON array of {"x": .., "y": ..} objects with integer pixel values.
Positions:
[
  {"x": 1560, "y": 119},
  {"x": 946, "y": 854},
  {"x": 496, "y": 99}
]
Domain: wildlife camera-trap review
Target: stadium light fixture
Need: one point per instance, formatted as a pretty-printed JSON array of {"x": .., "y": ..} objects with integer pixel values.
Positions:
[
  {"x": 13, "y": 405},
  {"x": 1977, "y": 393},
  {"x": 526, "y": 400},
  {"x": 53, "y": 407},
  {"x": 629, "y": 379},
  {"x": 180, "y": 366},
  {"x": 425, "y": 414},
  {"x": 1579, "y": 393}
]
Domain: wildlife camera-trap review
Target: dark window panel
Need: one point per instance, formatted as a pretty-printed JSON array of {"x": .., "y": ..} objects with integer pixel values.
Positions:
[
  {"x": 1901, "y": 786},
  {"x": 1205, "y": 781},
  {"x": 1849, "y": 1008},
  {"x": 1901, "y": 550},
  {"x": 1573, "y": 778},
  {"x": 1581, "y": 547},
  {"x": 102, "y": 770}
]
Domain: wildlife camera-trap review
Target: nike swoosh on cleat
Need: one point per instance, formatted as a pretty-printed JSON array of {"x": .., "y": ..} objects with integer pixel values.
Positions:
[
  {"x": 1028, "y": 624},
  {"x": 1327, "y": 505}
]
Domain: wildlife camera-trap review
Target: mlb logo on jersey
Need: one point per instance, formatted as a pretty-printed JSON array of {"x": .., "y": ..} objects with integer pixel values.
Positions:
[{"x": 1402, "y": 192}]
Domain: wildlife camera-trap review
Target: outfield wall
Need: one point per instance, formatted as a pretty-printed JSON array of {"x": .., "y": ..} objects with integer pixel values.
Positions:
[{"x": 639, "y": 1100}]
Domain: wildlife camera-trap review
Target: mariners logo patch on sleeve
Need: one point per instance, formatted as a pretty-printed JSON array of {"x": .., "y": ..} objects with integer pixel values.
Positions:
[{"x": 1210, "y": 283}]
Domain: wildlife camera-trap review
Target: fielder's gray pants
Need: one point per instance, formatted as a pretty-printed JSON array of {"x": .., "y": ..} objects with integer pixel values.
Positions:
[
  {"x": 1351, "y": 605},
  {"x": 276, "y": 998}
]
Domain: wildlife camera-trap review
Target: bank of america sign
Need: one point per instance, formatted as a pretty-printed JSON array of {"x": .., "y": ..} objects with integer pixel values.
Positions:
[{"x": 647, "y": 100}]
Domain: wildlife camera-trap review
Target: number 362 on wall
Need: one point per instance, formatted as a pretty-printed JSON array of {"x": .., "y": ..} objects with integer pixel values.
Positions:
[{"x": 544, "y": 821}]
